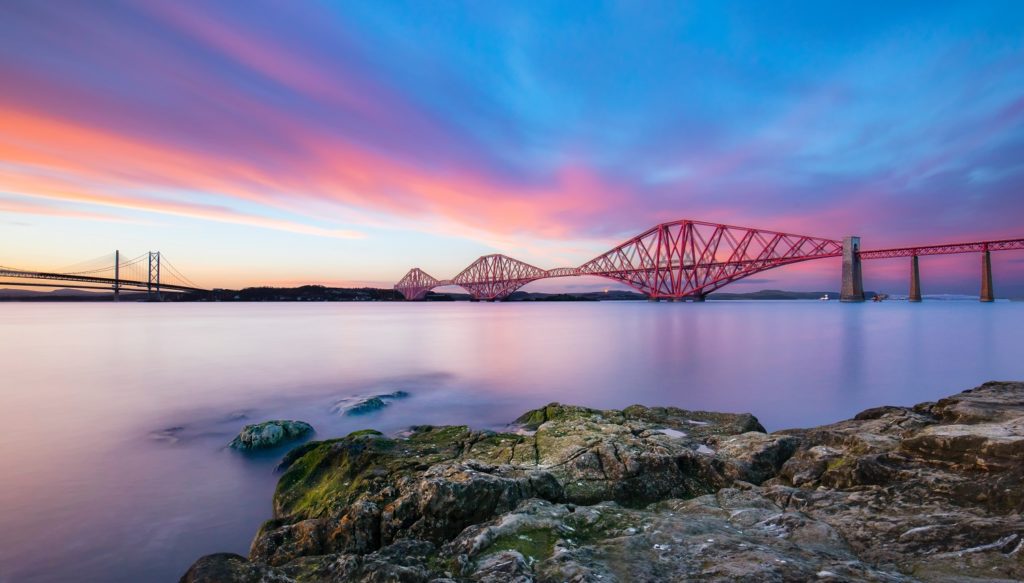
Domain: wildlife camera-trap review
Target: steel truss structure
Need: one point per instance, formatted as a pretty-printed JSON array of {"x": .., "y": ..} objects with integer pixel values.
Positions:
[
  {"x": 684, "y": 259},
  {"x": 676, "y": 260},
  {"x": 976, "y": 247},
  {"x": 415, "y": 284}
]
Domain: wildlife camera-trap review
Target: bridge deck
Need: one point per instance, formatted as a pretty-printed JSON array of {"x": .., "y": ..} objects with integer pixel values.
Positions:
[
  {"x": 111, "y": 282},
  {"x": 950, "y": 249}
]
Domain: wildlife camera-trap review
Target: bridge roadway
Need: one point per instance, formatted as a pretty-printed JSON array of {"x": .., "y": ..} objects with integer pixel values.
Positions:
[{"x": 950, "y": 249}]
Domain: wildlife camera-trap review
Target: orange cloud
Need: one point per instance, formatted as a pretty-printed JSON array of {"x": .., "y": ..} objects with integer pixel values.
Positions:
[{"x": 66, "y": 160}]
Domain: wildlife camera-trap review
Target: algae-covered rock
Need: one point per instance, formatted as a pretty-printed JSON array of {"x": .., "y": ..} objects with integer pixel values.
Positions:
[
  {"x": 270, "y": 434},
  {"x": 559, "y": 412},
  {"x": 364, "y": 491}
]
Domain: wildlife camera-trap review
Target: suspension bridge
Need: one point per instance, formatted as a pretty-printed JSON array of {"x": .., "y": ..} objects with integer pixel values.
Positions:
[
  {"x": 150, "y": 272},
  {"x": 685, "y": 260}
]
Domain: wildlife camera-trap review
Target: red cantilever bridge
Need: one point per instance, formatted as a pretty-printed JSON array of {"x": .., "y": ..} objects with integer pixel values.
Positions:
[{"x": 686, "y": 260}]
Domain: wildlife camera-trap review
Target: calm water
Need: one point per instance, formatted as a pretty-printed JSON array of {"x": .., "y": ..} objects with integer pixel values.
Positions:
[{"x": 97, "y": 487}]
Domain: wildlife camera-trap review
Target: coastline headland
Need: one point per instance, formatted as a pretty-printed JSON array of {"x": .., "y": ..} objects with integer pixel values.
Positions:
[{"x": 924, "y": 493}]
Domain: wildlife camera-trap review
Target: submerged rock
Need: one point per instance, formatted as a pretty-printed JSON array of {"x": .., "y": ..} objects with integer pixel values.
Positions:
[
  {"x": 170, "y": 435},
  {"x": 270, "y": 434},
  {"x": 927, "y": 493},
  {"x": 361, "y": 405}
]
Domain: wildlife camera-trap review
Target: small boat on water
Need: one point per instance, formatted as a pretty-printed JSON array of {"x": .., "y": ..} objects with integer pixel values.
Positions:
[{"x": 823, "y": 298}]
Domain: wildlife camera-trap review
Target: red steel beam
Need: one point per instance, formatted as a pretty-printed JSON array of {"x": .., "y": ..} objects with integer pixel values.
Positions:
[{"x": 948, "y": 249}]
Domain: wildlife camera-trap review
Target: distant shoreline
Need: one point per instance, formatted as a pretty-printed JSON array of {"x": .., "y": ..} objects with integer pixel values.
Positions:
[{"x": 317, "y": 293}]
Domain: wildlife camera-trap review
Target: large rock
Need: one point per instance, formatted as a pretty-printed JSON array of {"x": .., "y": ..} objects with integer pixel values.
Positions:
[
  {"x": 934, "y": 490},
  {"x": 365, "y": 491},
  {"x": 270, "y": 434},
  {"x": 931, "y": 492},
  {"x": 635, "y": 456},
  {"x": 734, "y": 535},
  {"x": 230, "y": 568}
]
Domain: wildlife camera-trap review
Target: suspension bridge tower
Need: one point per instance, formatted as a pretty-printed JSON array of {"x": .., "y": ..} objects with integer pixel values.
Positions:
[{"x": 154, "y": 275}]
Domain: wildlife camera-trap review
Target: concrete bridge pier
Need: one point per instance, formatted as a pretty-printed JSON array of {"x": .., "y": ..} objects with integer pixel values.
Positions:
[
  {"x": 915, "y": 281},
  {"x": 697, "y": 298},
  {"x": 853, "y": 277},
  {"x": 986, "y": 278}
]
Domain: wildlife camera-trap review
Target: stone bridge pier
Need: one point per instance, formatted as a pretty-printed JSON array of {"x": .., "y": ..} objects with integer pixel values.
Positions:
[{"x": 852, "y": 289}]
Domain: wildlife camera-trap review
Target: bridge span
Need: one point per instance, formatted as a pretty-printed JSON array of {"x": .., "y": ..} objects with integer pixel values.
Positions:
[
  {"x": 150, "y": 272},
  {"x": 685, "y": 260}
]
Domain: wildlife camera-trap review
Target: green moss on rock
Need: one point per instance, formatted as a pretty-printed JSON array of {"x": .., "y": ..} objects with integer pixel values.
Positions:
[
  {"x": 558, "y": 412},
  {"x": 535, "y": 544},
  {"x": 321, "y": 478}
]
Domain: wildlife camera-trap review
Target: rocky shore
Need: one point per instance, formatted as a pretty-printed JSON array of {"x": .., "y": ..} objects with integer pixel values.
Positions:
[{"x": 932, "y": 492}]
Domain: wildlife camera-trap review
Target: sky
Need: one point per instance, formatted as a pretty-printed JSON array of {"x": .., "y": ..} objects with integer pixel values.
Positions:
[{"x": 342, "y": 143}]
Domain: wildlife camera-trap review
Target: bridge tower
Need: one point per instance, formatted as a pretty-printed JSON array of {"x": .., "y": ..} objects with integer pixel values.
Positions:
[
  {"x": 154, "y": 274},
  {"x": 853, "y": 276},
  {"x": 117, "y": 275}
]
